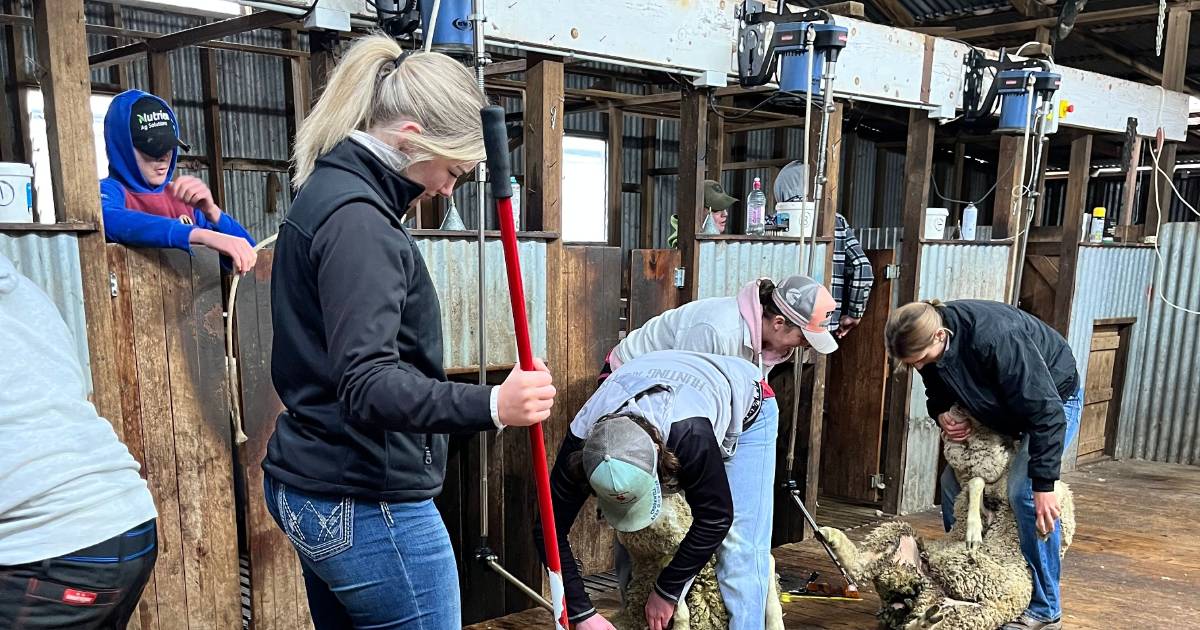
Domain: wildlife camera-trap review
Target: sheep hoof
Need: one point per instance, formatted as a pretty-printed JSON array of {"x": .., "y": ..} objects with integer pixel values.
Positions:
[{"x": 974, "y": 533}]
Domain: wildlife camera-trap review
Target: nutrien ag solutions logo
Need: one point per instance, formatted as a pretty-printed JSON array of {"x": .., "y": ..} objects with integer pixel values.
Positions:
[{"x": 153, "y": 119}]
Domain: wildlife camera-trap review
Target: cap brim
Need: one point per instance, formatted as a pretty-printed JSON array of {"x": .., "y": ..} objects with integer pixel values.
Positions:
[
  {"x": 822, "y": 342},
  {"x": 723, "y": 203},
  {"x": 634, "y": 516}
]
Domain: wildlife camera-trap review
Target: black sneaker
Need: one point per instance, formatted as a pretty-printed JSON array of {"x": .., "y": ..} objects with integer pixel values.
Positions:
[{"x": 1025, "y": 622}]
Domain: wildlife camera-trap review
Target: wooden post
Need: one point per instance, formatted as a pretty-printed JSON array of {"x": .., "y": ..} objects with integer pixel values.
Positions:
[
  {"x": 957, "y": 176},
  {"x": 715, "y": 147},
  {"x": 212, "y": 125},
  {"x": 296, "y": 91},
  {"x": 160, "y": 75},
  {"x": 12, "y": 126},
  {"x": 1075, "y": 206},
  {"x": 649, "y": 156},
  {"x": 1010, "y": 173},
  {"x": 321, "y": 61},
  {"x": 1175, "y": 50},
  {"x": 616, "y": 174},
  {"x": 1131, "y": 155},
  {"x": 693, "y": 131},
  {"x": 918, "y": 163},
  {"x": 824, "y": 229},
  {"x": 62, "y": 53},
  {"x": 543, "y": 194},
  {"x": 118, "y": 72}
]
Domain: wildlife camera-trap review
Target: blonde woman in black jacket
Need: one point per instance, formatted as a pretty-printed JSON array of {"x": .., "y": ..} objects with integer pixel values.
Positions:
[
  {"x": 1016, "y": 375},
  {"x": 360, "y": 451}
]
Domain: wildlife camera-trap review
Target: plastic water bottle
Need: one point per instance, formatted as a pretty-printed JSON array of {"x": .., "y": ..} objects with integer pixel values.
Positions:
[
  {"x": 969, "y": 216},
  {"x": 756, "y": 208},
  {"x": 516, "y": 203}
]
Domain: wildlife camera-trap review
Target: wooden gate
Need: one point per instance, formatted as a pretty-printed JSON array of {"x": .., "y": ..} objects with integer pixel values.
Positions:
[
  {"x": 168, "y": 324},
  {"x": 854, "y": 397},
  {"x": 1102, "y": 392},
  {"x": 652, "y": 287}
]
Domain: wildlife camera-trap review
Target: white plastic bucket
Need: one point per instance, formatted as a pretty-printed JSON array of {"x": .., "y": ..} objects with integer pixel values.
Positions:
[
  {"x": 935, "y": 223},
  {"x": 800, "y": 216},
  {"x": 16, "y": 192}
]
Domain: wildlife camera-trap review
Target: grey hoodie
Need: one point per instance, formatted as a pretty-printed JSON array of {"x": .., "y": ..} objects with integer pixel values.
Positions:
[{"x": 66, "y": 481}]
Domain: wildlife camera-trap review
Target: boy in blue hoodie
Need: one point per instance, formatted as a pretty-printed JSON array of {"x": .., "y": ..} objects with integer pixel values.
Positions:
[{"x": 142, "y": 206}]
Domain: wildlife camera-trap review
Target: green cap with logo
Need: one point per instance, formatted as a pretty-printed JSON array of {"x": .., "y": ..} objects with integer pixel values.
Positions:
[{"x": 621, "y": 464}]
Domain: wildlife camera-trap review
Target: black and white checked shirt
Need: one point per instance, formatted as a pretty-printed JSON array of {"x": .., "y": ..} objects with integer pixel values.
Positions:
[{"x": 852, "y": 273}]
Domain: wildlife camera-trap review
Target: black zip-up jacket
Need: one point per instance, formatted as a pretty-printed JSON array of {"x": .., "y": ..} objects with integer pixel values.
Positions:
[
  {"x": 1012, "y": 372},
  {"x": 357, "y": 356},
  {"x": 702, "y": 479}
]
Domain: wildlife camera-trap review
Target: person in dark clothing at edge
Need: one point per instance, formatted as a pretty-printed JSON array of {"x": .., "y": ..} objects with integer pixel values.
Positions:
[
  {"x": 1016, "y": 375},
  {"x": 360, "y": 451},
  {"x": 671, "y": 418},
  {"x": 142, "y": 206}
]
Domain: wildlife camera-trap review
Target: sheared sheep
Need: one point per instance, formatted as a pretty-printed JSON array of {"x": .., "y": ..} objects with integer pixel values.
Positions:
[
  {"x": 650, "y": 550},
  {"x": 973, "y": 579}
]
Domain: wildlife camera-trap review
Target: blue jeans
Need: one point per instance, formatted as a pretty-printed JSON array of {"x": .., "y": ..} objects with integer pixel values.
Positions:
[
  {"x": 1043, "y": 556},
  {"x": 370, "y": 564},
  {"x": 744, "y": 558}
]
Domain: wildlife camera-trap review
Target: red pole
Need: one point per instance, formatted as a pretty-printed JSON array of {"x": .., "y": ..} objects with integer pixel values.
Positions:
[{"x": 496, "y": 141}]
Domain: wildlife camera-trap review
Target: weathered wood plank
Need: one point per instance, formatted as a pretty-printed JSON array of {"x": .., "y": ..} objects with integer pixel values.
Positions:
[
  {"x": 693, "y": 132},
  {"x": 1068, "y": 257},
  {"x": 652, "y": 289}
]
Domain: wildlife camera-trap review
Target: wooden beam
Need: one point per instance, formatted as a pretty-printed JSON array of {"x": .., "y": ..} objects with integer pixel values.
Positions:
[
  {"x": 714, "y": 149},
  {"x": 649, "y": 156},
  {"x": 616, "y": 168},
  {"x": 693, "y": 131},
  {"x": 957, "y": 176},
  {"x": 1010, "y": 173},
  {"x": 62, "y": 50},
  {"x": 212, "y": 126},
  {"x": 848, "y": 9},
  {"x": 1088, "y": 17},
  {"x": 118, "y": 72},
  {"x": 192, "y": 36},
  {"x": 895, "y": 12},
  {"x": 323, "y": 44},
  {"x": 918, "y": 163},
  {"x": 1175, "y": 50},
  {"x": 1073, "y": 208},
  {"x": 1129, "y": 60},
  {"x": 297, "y": 92},
  {"x": 160, "y": 76},
  {"x": 505, "y": 67},
  {"x": 13, "y": 126},
  {"x": 1031, "y": 8},
  {"x": 1131, "y": 158}
]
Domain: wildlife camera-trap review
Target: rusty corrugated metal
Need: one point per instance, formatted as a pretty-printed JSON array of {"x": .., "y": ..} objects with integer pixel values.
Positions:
[
  {"x": 949, "y": 271},
  {"x": 1160, "y": 416},
  {"x": 51, "y": 261},
  {"x": 1109, "y": 282},
  {"x": 727, "y": 265},
  {"x": 454, "y": 265}
]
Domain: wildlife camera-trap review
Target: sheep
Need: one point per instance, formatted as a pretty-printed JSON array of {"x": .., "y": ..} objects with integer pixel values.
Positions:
[
  {"x": 973, "y": 579},
  {"x": 650, "y": 550}
]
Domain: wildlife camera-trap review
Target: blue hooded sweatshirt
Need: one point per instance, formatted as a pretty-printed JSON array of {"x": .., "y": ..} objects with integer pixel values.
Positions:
[{"x": 135, "y": 213}]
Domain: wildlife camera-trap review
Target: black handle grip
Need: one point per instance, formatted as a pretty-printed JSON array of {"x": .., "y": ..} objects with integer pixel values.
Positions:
[{"x": 495, "y": 142}]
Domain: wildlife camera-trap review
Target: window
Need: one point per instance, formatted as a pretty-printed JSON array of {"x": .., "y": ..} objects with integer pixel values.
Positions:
[
  {"x": 585, "y": 182},
  {"x": 40, "y": 148}
]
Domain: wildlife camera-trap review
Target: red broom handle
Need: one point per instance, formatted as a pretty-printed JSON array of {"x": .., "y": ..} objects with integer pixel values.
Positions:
[{"x": 496, "y": 141}]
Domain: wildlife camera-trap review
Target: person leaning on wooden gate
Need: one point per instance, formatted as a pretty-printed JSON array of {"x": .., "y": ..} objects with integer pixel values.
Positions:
[
  {"x": 78, "y": 538},
  {"x": 360, "y": 451}
]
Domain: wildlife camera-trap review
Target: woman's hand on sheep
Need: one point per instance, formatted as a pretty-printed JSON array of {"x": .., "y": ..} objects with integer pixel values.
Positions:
[
  {"x": 955, "y": 427},
  {"x": 1045, "y": 505},
  {"x": 658, "y": 612},
  {"x": 525, "y": 398},
  {"x": 595, "y": 622}
]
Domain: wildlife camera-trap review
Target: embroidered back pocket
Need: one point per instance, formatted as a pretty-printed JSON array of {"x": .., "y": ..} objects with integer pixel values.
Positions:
[{"x": 318, "y": 527}]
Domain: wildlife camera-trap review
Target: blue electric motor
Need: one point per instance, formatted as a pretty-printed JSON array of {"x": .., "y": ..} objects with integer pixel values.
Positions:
[
  {"x": 828, "y": 41},
  {"x": 1014, "y": 94},
  {"x": 453, "y": 33}
]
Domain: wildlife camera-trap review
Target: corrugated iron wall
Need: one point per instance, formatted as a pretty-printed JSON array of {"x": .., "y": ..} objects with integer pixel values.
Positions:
[
  {"x": 948, "y": 272},
  {"x": 51, "y": 261},
  {"x": 1109, "y": 282},
  {"x": 1160, "y": 416},
  {"x": 727, "y": 265},
  {"x": 454, "y": 266}
]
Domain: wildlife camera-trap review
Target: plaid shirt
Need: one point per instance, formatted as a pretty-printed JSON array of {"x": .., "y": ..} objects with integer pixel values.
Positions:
[{"x": 852, "y": 273}]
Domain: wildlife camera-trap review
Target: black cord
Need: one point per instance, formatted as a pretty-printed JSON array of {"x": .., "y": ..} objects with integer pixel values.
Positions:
[{"x": 712, "y": 106}]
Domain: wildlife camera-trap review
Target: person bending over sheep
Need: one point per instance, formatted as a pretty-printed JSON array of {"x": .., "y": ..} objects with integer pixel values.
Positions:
[
  {"x": 675, "y": 422},
  {"x": 1017, "y": 376}
]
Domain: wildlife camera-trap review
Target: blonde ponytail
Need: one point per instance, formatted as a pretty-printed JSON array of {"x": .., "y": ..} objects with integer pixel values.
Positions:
[
  {"x": 911, "y": 328},
  {"x": 372, "y": 89}
]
